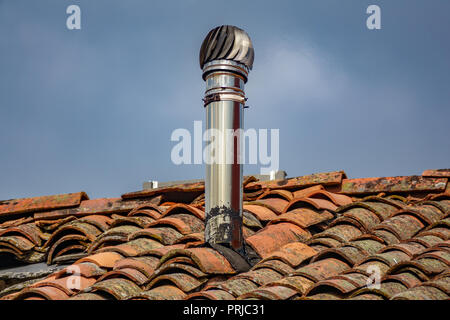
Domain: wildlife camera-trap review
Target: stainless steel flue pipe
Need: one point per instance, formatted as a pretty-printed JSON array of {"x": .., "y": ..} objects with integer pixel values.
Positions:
[{"x": 226, "y": 56}]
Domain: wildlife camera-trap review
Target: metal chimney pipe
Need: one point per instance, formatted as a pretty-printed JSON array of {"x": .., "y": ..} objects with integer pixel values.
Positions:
[{"x": 226, "y": 56}]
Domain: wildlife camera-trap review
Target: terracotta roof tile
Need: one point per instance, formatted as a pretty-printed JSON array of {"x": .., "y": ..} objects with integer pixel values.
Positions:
[
  {"x": 145, "y": 265},
  {"x": 270, "y": 293},
  {"x": 304, "y": 217},
  {"x": 29, "y": 231},
  {"x": 260, "y": 276},
  {"x": 387, "y": 289},
  {"x": 85, "y": 269},
  {"x": 88, "y": 296},
  {"x": 367, "y": 296},
  {"x": 208, "y": 260},
  {"x": 326, "y": 179},
  {"x": 102, "y": 259},
  {"x": 348, "y": 253},
  {"x": 181, "y": 280},
  {"x": 314, "y": 244},
  {"x": 298, "y": 283},
  {"x": 236, "y": 287},
  {"x": 117, "y": 288},
  {"x": 190, "y": 189},
  {"x": 180, "y": 267},
  {"x": 133, "y": 248},
  {"x": 17, "y": 206},
  {"x": 183, "y": 223},
  {"x": 402, "y": 226},
  {"x": 212, "y": 294},
  {"x": 64, "y": 284},
  {"x": 261, "y": 212},
  {"x": 392, "y": 184},
  {"x": 276, "y": 205},
  {"x": 422, "y": 293},
  {"x": 341, "y": 233},
  {"x": 318, "y": 204},
  {"x": 165, "y": 292},
  {"x": 322, "y": 296},
  {"x": 437, "y": 173},
  {"x": 293, "y": 254},
  {"x": 277, "y": 193},
  {"x": 48, "y": 293},
  {"x": 164, "y": 235},
  {"x": 343, "y": 286},
  {"x": 275, "y": 236},
  {"x": 322, "y": 269},
  {"x": 408, "y": 279},
  {"x": 183, "y": 208},
  {"x": 337, "y": 199},
  {"x": 277, "y": 265}
]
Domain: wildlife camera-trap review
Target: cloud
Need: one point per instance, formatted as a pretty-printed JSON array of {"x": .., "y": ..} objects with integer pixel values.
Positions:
[{"x": 287, "y": 72}]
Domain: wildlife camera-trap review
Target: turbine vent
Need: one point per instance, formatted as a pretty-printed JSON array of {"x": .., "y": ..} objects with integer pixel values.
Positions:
[
  {"x": 226, "y": 56},
  {"x": 227, "y": 43}
]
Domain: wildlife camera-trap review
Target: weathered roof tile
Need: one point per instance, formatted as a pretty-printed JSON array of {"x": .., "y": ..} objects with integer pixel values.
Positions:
[{"x": 392, "y": 184}]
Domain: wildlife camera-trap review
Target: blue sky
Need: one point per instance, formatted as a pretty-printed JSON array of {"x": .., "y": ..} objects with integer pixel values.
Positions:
[{"x": 94, "y": 109}]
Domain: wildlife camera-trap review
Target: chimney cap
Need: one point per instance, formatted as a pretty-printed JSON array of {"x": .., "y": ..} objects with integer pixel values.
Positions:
[{"x": 228, "y": 43}]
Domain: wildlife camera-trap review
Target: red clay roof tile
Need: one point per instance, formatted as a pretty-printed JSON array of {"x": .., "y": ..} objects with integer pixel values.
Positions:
[
  {"x": 213, "y": 294},
  {"x": 194, "y": 188},
  {"x": 270, "y": 293},
  {"x": 29, "y": 231},
  {"x": 422, "y": 293},
  {"x": 262, "y": 213},
  {"x": 304, "y": 217},
  {"x": 318, "y": 204},
  {"x": 178, "y": 267},
  {"x": 337, "y": 199},
  {"x": 260, "y": 276},
  {"x": 236, "y": 287},
  {"x": 278, "y": 193},
  {"x": 322, "y": 269},
  {"x": 164, "y": 235},
  {"x": 277, "y": 265},
  {"x": 298, "y": 283},
  {"x": 274, "y": 236},
  {"x": 164, "y": 292},
  {"x": 406, "y": 237},
  {"x": 48, "y": 293},
  {"x": 293, "y": 254},
  {"x": 437, "y": 173},
  {"x": 84, "y": 269},
  {"x": 392, "y": 184},
  {"x": 326, "y": 179},
  {"x": 208, "y": 260},
  {"x": 133, "y": 248},
  {"x": 118, "y": 288},
  {"x": 16, "y": 206},
  {"x": 145, "y": 265},
  {"x": 276, "y": 205},
  {"x": 102, "y": 259},
  {"x": 183, "y": 208},
  {"x": 183, "y": 281},
  {"x": 184, "y": 223},
  {"x": 87, "y": 296}
]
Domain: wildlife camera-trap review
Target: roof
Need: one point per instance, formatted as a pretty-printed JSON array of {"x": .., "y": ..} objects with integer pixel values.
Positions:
[{"x": 321, "y": 236}]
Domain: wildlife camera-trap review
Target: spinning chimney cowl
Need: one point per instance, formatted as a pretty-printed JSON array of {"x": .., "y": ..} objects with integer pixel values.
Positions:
[
  {"x": 226, "y": 56},
  {"x": 227, "y": 43}
]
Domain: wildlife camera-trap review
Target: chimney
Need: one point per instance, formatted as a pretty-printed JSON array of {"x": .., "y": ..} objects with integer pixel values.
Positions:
[{"x": 226, "y": 56}]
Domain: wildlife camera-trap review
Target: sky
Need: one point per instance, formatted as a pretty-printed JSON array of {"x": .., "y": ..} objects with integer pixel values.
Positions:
[{"x": 93, "y": 109}]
